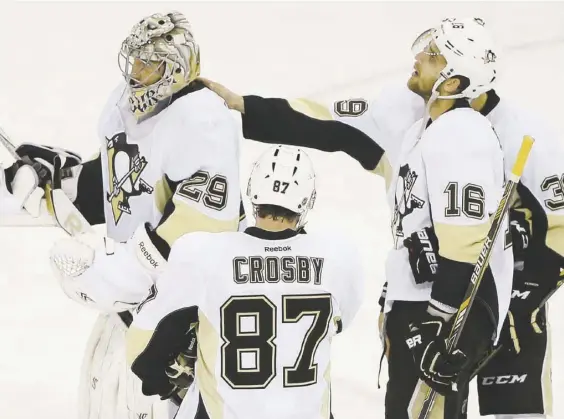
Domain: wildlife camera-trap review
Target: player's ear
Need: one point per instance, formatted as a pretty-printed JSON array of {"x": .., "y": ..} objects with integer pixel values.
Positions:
[{"x": 450, "y": 86}]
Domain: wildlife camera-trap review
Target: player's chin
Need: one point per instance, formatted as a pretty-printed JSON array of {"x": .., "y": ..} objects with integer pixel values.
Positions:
[{"x": 413, "y": 83}]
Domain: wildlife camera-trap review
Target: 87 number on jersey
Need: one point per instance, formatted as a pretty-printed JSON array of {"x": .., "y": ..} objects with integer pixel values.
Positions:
[{"x": 248, "y": 329}]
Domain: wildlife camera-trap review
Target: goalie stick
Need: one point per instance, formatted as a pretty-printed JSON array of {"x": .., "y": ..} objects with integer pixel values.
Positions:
[
  {"x": 66, "y": 215},
  {"x": 482, "y": 263}
]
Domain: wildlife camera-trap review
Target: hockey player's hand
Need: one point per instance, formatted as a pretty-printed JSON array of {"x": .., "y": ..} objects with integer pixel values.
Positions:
[
  {"x": 232, "y": 100},
  {"x": 427, "y": 342},
  {"x": 42, "y": 158},
  {"x": 423, "y": 248},
  {"x": 520, "y": 234}
]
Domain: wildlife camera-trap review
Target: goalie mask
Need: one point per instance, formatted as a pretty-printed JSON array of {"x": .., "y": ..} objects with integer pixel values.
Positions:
[
  {"x": 283, "y": 176},
  {"x": 157, "y": 59}
]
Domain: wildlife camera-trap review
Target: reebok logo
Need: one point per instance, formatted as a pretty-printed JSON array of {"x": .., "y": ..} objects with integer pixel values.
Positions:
[
  {"x": 148, "y": 256},
  {"x": 278, "y": 249}
]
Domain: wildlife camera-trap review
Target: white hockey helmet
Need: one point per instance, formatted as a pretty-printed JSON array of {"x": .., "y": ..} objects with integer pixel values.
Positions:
[
  {"x": 469, "y": 51},
  {"x": 161, "y": 39},
  {"x": 283, "y": 176}
]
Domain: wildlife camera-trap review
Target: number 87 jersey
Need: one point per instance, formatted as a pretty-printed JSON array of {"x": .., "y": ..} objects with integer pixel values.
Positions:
[{"x": 267, "y": 305}]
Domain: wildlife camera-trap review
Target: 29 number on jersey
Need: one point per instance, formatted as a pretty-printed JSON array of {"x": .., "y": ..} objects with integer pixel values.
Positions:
[
  {"x": 215, "y": 195},
  {"x": 248, "y": 329}
]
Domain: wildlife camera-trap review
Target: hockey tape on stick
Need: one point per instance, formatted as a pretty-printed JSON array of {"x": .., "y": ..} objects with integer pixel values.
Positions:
[
  {"x": 68, "y": 217},
  {"x": 482, "y": 262}
]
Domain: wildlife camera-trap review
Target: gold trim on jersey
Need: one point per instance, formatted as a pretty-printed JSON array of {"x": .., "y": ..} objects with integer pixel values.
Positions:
[
  {"x": 163, "y": 193},
  {"x": 310, "y": 108},
  {"x": 136, "y": 342},
  {"x": 187, "y": 219},
  {"x": 208, "y": 349},
  {"x": 461, "y": 243}
]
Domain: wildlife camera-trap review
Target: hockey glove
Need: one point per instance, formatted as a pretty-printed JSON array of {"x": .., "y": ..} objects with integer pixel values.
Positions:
[
  {"x": 42, "y": 158},
  {"x": 427, "y": 342},
  {"x": 520, "y": 234},
  {"x": 181, "y": 370},
  {"x": 423, "y": 248}
]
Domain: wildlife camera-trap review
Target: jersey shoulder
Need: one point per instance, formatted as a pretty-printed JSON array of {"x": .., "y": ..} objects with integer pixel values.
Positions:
[
  {"x": 198, "y": 131},
  {"x": 201, "y": 106},
  {"x": 461, "y": 130},
  {"x": 397, "y": 108},
  {"x": 195, "y": 244}
]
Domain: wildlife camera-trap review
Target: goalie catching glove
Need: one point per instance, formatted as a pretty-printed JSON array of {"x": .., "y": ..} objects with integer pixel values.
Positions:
[{"x": 113, "y": 277}]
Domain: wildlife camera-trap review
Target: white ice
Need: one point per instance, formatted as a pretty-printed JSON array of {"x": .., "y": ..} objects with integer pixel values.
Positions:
[{"x": 59, "y": 61}]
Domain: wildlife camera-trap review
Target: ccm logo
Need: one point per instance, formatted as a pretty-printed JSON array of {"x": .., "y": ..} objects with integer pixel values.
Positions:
[
  {"x": 413, "y": 342},
  {"x": 522, "y": 295},
  {"x": 504, "y": 379}
]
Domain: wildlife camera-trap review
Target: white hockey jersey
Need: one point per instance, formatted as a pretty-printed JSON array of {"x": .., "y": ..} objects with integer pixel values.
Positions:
[
  {"x": 268, "y": 305},
  {"x": 448, "y": 179},
  {"x": 144, "y": 162},
  {"x": 540, "y": 193},
  {"x": 451, "y": 179},
  {"x": 177, "y": 171}
]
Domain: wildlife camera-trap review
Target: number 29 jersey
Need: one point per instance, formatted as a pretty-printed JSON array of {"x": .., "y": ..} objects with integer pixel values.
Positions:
[{"x": 268, "y": 307}]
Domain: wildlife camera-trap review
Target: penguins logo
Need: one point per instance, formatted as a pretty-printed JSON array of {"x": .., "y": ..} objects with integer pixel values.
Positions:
[
  {"x": 125, "y": 166},
  {"x": 405, "y": 201}
]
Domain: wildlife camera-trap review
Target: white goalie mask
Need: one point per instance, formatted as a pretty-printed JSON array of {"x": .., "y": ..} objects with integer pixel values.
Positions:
[
  {"x": 283, "y": 176},
  {"x": 468, "y": 50},
  {"x": 165, "y": 44}
]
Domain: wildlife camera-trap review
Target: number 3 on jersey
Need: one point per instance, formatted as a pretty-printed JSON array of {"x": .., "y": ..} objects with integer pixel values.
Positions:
[{"x": 248, "y": 329}]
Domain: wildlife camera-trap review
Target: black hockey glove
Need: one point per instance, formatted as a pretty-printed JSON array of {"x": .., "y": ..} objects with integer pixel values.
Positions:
[
  {"x": 42, "y": 158},
  {"x": 520, "y": 234},
  {"x": 427, "y": 342},
  {"x": 423, "y": 248},
  {"x": 182, "y": 369},
  {"x": 177, "y": 377}
]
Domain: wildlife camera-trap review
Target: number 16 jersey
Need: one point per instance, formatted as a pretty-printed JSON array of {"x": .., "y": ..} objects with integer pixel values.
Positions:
[{"x": 268, "y": 305}]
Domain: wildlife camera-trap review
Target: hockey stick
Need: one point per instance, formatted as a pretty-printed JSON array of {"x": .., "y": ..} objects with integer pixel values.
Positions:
[
  {"x": 482, "y": 262},
  {"x": 66, "y": 215},
  {"x": 4, "y": 140}
]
